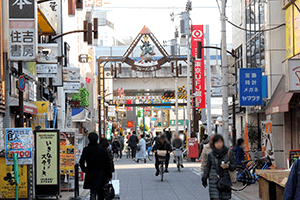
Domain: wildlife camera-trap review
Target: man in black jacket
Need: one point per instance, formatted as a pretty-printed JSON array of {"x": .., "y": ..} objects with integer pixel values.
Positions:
[
  {"x": 132, "y": 142},
  {"x": 162, "y": 144},
  {"x": 95, "y": 163}
]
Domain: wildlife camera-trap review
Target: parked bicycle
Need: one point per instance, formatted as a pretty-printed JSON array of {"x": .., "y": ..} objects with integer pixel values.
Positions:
[
  {"x": 246, "y": 175},
  {"x": 178, "y": 157},
  {"x": 162, "y": 157}
]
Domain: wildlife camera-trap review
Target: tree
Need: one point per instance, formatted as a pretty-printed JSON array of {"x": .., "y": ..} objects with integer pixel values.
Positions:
[{"x": 82, "y": 96}]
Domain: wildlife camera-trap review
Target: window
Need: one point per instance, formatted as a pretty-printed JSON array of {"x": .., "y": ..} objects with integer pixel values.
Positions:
[{"x": 255, "y": 51}]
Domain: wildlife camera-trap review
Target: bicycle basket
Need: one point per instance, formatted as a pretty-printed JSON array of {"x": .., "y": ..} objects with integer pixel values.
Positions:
[
  {"x": 161, "y": 153},
  {"x": 177, "y": 153}
]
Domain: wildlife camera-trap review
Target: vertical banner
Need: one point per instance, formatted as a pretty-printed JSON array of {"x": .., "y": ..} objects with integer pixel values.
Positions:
[
  {"x": 289, "y": 30},
  {"x": 47, "y": 163},
  {"x": 246, "y": 138},
  {"x": 198, "y": 36},
  {"x": 267, "y": 142},
  {"x": 109, "y": 131},
  {"x": 39, "y": 120},
  {"x": 22, "y": 30}
]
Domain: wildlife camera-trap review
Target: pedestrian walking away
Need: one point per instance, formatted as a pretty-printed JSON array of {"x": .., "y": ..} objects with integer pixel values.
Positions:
[
  {"x": 141, "y": 150},
  {"x": 204, "y": 155},
  {"x": 132, "y": 142},
  {"x": 95, "y": 163},
  {"x": 217, "y": 170},
  {"x": 121, "y": 142},
  {"x": 239, "y": 152},
  {"x": 162, "y": 144},
  {"x": 205, "y": 140}
]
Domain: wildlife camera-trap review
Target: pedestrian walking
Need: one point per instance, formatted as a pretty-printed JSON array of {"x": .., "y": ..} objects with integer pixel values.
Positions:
[
  {"x": 141, "y": 149},
  {"x": 177, "y": 143},
  {"x": 104, "y": 143},
  {"x": 95, "y": 163},
  {"x": 205, "y": 140},
  {"x": 239, "y": 152},
  {"x": 292, "y": 187},
  {"x": 169, "y": 135},
  {"x": 121, "y": 142},
  {"x": 133, "y": 141},
  {"x": 204, "y": 155},
  {"x": 217, "y": 170},
  {"x": 116, "y": 147}
]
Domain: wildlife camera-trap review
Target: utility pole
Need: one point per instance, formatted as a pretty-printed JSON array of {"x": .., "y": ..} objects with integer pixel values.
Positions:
[
  {"x": 208, "y": 81},
  {"x": 21, "y": 97},
  {"x": 224, "y": 75},
  {"x": 176, "y": 97}
]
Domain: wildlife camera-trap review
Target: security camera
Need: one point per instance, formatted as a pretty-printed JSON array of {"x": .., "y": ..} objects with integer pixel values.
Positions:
[
  {"x": 46, "y": 52},
  {"x": 100, "y": 97}
]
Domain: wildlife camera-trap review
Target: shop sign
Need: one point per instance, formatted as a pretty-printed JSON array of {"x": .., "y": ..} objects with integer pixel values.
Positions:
[
  {"x": 8, "y": 191},
  {"x": 31, "y": 92},
  {"x": 67, "y": 154},
  {"x": 296, "y": 28},
  {"x": 267, "y": 141},
  {"x": 47, "y": 157},
  {"x": 129, "y": 124},
  {"x": 108, "y": 131},
  {"x": 47, "y": 53},
  {"x": 111, "y": 111},
  {"x": 83, "y": 58},
  {"x": 39, "y": 120},
  {"x": 46, "y": 70},
  {"x": 250, "y": 86},
  {"x": 197, "y": 36},
  {"x": 292, "y": 68},
  {"x": 71, "y": 74},
  {"x": 70, "y": 87},
  {"x": 19, "y": 141},
  {"x": 22, "y": 30},
  {"x": 289, "y": 30}
]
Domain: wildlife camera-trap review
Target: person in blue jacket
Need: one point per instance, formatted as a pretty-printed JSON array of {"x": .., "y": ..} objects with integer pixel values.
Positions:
[
  {"x": 292, "y": 187},
  {"x": 239, "y": 152}
]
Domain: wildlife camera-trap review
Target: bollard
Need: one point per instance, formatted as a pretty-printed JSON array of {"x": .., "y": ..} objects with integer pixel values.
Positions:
[{"x": 76, "y": 188}]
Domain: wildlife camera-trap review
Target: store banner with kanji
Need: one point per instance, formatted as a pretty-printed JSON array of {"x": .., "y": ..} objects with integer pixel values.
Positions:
[
  {"x": 250, "y": 87},
  {"x": 22, "y": 30},
  {"x": 198, "y": 36}
]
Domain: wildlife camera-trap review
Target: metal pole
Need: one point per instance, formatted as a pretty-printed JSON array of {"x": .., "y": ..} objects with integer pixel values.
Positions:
[
  {"x": 99, "y": 103},
  {"x": 176, "y": 103},
  {"x": 208, "y": 81},
  {"x": 51, "y": 99},
  {"x": 188, "y": 84},
  {"x": 224, "y": 75},
  {"x": 162, "y": 119},
  {"x": 21, "y": 98},
  {"x": 184, "y": 121},
  {"x": 143, "y": 118},
  {"x": 233, "y": 122}
]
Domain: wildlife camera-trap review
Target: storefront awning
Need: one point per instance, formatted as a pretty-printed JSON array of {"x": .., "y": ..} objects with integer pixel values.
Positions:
[
  {"x": 280, "y": 99},
  {"x": 44, "y": 26},
  {"x": 81, "y": 115},
  {"x": 28, "y": 107}
]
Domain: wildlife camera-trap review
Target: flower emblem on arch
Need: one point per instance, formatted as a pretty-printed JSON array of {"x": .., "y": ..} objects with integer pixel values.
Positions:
[{"x": 147, "y": 51}]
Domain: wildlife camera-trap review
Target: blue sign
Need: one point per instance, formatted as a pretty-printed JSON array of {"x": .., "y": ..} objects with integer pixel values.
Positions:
[
  {"x": 18, "y": 141},
  {"x": 250, "y": 86},
  {"x": 22, "y": 83}
]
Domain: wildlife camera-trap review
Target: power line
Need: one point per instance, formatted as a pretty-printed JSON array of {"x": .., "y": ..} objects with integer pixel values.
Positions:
[{"x": 156, "y": 8}]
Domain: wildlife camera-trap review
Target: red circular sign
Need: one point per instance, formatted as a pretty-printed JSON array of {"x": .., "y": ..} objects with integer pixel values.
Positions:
[{"x": 22, "y": 83}]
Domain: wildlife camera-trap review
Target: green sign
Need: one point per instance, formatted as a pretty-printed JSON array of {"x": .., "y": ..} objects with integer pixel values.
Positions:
[
  {"x": 46, "y": 158},
  {"x": 173, "y": 122},
  {"x": 108, "y": 131}
]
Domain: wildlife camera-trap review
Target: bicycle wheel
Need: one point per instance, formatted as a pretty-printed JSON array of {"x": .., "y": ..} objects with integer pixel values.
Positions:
[
  {"x": 162, "y": 172},
  {"x": 243, "y": 179}
]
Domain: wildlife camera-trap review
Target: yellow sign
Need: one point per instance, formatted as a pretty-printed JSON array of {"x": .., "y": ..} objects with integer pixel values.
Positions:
[
  {"x": 46, "y": 160},
  {"x": 39, "y": 120},
  {"x": 8, "y": 191},
  {"x": 289, "y": 29},
  {"x": 67, "y": 158},
  {"x": 296, "y": 28}
]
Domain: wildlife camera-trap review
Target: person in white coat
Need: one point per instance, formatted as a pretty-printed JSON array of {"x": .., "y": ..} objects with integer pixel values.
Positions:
[{"x": 141, "y": 153}]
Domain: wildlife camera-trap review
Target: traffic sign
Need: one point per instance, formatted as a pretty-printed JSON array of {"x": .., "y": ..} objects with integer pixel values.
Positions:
[{"x": 21, "y": 83}]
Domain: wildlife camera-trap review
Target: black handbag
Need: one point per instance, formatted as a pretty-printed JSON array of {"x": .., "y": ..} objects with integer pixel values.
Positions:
[
  {"x": 224, "y": 184},
  {"x": 109, "y": 191}
]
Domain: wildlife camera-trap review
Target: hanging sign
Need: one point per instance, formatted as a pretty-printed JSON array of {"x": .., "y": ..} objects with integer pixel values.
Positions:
[
  {"x": 197, "y": 36},
  {"x": 250, "y": 86},
  {"x": 22, "y": 30},
  {"x": 18, "y": 141}
]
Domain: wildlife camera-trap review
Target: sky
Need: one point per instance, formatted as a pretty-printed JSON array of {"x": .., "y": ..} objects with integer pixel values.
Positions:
[{"x": 130, "y": 21}]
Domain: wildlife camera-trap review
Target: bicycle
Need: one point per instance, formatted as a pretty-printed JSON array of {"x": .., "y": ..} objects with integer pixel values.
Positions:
[
  {"x": 162, "y": 157},
  {"x": 128, "y": 152},
  {"x": 246, "y": 175},
  {"x": 178, "y": 157}
]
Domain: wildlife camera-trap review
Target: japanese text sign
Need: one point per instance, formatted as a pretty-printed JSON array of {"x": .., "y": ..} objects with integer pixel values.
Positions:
[
  {"x": 22, "y": 30},
  {"x": 197, "y": 36},
  {"x": 18, "y": 141},
  {"x": 47, "y": 157},
  {"x": 250, "y": 86},
  {"x": 200, "y": 83}
]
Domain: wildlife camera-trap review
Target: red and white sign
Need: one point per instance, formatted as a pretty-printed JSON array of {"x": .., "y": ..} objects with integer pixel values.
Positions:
[
  {"x": 198, "y": 36},
  {"x": 88, "y": 80}
]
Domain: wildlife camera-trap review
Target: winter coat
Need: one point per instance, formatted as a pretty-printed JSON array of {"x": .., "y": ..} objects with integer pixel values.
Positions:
[
  {"x": 204, "y": 142},
  {"x": 213, "y": 169},
  {"x": 141, "y": 154},
  {"x": 133, "y": 141},
  {"x": 177, "y": 143},
  {"x": 116, "y": 146},
  {"x": 160, "y": 146},
  {"x": 121, "y": 141},
  {"x": 204, "y": 156},
  {"x": 169, "y": 136},
  {"x": 292, "y": 187},
  {"x": 95, "y": 163},
  {"x": 239, "y": 155}
]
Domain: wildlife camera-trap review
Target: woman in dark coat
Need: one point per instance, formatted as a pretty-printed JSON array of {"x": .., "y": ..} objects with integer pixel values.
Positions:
[
  {"x": 215, "y": 168},
  {"x": 95, "y": 163}
]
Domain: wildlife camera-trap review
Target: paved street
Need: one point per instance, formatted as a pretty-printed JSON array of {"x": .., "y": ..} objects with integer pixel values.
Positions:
[{"x": 138, "y": 182}]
